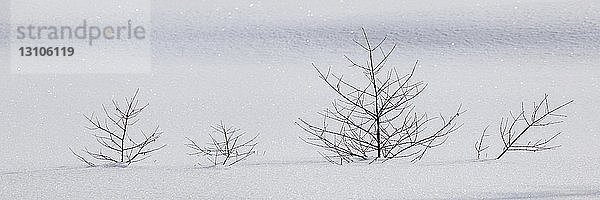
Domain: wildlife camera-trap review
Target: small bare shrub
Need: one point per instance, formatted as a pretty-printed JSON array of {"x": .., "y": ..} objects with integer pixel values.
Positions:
[
  {"x": 114, "y": 134},
  {"x": 227, "y": 146},
  {"x": 514, "y": 127},
  {"x": 375, "y": 119}
]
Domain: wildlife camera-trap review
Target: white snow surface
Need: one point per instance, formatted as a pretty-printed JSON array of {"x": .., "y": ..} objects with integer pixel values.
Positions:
[{"x": 248, "y": 63}]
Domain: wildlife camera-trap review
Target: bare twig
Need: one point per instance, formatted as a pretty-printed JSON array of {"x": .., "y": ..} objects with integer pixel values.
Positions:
[
  {"x": 82, "y": 159},
  {"x": 479, "y": 144},
  {"x": 540, "y": 116}
]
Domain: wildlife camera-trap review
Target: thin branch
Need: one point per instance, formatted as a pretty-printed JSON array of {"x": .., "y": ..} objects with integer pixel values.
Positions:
[{"x": 537, "y": 119}]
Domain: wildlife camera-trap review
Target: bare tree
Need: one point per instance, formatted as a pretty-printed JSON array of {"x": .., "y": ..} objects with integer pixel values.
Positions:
[
  {"x": 512, "y": 129},
  {"x": 113, "y": 133},
  {"x": 376, "y": 118},
  {"x": 479, "y": 144},
  {"x": 227, "y": 146}
]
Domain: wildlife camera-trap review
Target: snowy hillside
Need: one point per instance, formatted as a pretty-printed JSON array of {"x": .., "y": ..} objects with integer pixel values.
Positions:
[{"x": 248, "y": 63}]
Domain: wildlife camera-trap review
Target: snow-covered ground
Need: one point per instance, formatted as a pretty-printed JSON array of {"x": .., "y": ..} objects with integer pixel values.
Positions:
[{"x": 249, "y": 64}]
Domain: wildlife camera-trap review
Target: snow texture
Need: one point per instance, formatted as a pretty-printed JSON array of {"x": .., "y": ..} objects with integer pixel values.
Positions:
[{"x": 248, "y": 63}]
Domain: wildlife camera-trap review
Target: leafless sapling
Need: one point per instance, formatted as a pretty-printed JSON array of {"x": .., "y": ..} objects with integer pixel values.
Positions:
[
  {"x": 227, "y": 146},
  {"x": 479, "y": 144},
  {"x": 375, "y": 119},
  {"x": 512, "y": 129},
  {"x": 114, "y": 134}
]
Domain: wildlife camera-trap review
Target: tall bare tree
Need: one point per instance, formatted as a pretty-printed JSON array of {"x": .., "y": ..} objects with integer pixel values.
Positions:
[
  {"x": 376, "y": 118},
  {"x": 114, "y": 134},
  {"x": 514, "y": 127}
]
